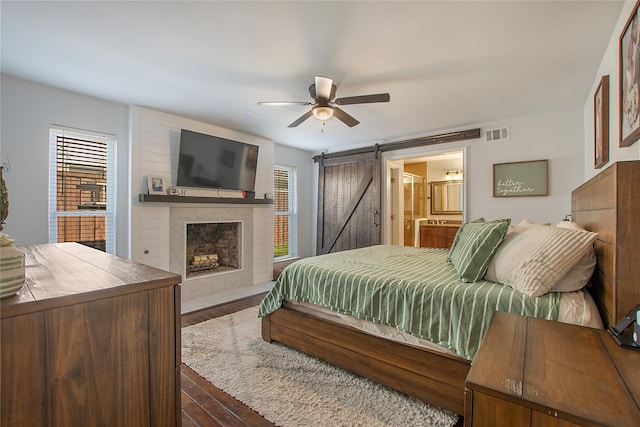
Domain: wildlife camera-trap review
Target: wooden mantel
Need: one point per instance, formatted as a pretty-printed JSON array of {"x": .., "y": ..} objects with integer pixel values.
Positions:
[{"x": 160, "y": 198}]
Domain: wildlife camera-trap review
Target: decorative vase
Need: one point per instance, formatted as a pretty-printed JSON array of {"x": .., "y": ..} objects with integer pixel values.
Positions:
[{"x": 12, "y": 267}]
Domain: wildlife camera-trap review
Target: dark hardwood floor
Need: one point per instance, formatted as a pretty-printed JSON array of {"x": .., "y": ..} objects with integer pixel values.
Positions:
[
  {"x": 221, "y": 310},
  {"x": 205, "y": 405}
]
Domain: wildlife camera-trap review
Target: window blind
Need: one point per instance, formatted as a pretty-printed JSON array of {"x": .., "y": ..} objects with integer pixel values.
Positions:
[
  {"x": 285, "y": 183},
  {"x": 82, "y": 188}
]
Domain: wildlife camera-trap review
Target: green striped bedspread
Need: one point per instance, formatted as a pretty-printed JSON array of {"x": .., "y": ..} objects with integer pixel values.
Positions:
[{"x": 414, "y": 290}]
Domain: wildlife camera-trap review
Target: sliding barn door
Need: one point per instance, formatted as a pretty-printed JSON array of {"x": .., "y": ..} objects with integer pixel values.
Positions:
[{"x": 348, "y": 202}]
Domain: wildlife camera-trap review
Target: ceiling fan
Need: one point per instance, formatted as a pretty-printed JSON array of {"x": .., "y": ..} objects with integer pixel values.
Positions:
[{"x": 323, "y": 92}]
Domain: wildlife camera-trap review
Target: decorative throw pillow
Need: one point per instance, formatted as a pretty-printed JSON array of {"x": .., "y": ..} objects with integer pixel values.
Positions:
[
  {"x": 512, "y": 233},
  {"x": 528, "y": 223},
  {"x": 523, "y": 225},
  {"x": 474, "y": 245},
  {"x": 534, "y": 260},
  {"x": 456, "y": 238},
  {"x": 581, "y": 273},
  {"x": 570, "y": 225}
]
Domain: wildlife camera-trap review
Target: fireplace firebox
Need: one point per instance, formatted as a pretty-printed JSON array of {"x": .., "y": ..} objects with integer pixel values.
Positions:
[{"x": 212, "y": 248}]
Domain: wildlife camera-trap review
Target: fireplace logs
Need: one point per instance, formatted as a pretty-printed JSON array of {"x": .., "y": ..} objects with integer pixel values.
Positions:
[
  {"x": 212, "y": 248},
  {"x": 204, "y": 262}
]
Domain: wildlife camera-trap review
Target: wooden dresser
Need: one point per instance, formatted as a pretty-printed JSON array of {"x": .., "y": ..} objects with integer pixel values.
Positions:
[
  {"x": 437, "y": 236},
  {"x": 533, "y": 372},
  {"x": 90, "y": 340}
]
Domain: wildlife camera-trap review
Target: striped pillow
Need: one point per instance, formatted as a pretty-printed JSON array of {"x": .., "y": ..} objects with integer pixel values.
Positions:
[
  {"x": 474, "y": 245},
  {"x": 534, "y": 260}
]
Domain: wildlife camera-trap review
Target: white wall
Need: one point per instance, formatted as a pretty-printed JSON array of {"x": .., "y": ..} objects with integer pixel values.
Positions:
[
  {"x": 303, "y": 161},
  {"x": 556, "y": 136},
  {"x": 608, "y": 66},
  {"x": 27, "y": 112}
]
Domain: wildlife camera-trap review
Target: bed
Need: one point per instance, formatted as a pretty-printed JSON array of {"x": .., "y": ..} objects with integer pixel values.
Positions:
[{"x": 328, "y": 313}]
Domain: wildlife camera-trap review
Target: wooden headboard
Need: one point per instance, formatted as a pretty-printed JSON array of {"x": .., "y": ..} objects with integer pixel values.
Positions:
[{"x": 609, "y": 205}]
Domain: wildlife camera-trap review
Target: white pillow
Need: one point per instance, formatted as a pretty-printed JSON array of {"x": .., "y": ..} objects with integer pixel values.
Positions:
[
  {"x": 527, "y": 223},
  {"x": 570, "y": 225},
  {"x": 578, "y": 277},
  {"x": 522, "y": 226},
  {"x": 533, "y": 259},
  {"x": 581, "y": 273}
]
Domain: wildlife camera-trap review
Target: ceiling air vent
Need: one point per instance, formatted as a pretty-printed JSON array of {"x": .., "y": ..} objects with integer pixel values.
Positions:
[{"x": 500, "y": 134}]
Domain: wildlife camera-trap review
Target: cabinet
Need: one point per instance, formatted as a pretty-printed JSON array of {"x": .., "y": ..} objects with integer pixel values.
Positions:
[
  {"x": 534, "y": 372},
  {"x": 91, "y": 339},
  {"x": 437, "y": 236}
]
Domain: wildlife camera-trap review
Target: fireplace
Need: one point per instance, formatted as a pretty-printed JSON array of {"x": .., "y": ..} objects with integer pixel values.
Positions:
[
  {"x": 212, "y": 248},
  {"x": 207, "y": 283}
]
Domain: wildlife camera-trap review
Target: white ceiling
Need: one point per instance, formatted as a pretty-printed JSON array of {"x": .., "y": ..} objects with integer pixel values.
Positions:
[{"x": 445, "y": 64}]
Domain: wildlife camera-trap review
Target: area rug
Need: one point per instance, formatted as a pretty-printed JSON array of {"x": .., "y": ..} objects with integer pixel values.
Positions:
[{"x": 290, "y": 388}]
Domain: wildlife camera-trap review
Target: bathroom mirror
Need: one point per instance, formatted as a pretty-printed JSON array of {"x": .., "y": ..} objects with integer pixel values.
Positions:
[{"x": 446, "y": 197}]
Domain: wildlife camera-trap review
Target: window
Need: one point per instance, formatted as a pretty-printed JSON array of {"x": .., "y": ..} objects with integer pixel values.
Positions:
[
  {"x": 82, "y": 188},
  {"x": 286, "y": 209}
]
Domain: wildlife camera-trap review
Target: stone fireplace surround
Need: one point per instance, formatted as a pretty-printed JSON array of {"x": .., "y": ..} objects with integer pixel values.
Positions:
[{"x": 199, "y": 287}]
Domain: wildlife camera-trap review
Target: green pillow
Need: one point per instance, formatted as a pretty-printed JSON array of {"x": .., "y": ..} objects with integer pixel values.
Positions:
[
  {"x": 474, "y": 245},
  {"x": 457, "y": 237}
]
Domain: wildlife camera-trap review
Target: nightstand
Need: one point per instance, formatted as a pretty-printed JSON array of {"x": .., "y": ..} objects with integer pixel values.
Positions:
[{"x": 533, "y": 372}]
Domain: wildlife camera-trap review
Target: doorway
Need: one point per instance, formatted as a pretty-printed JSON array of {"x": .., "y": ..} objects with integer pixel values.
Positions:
[
  {"x": 415, "y": 202},
  {"x": 409, "y": 178}
]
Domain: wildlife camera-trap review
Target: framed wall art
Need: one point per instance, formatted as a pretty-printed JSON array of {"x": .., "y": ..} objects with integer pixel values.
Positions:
[
  {"x": 519, "y": 179},
  {"x": 157, "y": 185},
  {"x": 601, "y": 123},
  {"x": 629, "y": 67}
]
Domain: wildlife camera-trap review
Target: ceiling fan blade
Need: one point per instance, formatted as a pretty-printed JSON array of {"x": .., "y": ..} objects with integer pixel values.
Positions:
[
  {"x": 284, "y": 103},
  {"x": 363, "y": 99},
  {"x": 323, "y": 87},
  {"x": 344, "y": 117},
  {"x": 301, "y": 119}
]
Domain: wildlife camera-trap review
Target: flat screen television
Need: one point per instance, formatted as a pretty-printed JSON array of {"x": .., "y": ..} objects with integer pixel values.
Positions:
[{"x": 208, "y": 161}]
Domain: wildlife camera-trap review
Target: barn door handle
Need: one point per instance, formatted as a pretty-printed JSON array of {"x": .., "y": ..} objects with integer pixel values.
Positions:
[{"x": 376, "y": 218}]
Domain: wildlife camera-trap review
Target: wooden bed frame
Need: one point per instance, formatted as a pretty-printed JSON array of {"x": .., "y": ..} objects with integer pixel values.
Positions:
[{"x": 603, "y": 204}]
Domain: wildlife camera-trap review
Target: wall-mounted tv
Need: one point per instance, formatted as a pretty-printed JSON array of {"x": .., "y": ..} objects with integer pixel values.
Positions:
[{"x": 208, "y": 161}]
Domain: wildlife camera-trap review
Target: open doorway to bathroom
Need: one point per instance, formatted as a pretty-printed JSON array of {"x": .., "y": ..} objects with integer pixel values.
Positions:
[{"x": 424, "y": 190}]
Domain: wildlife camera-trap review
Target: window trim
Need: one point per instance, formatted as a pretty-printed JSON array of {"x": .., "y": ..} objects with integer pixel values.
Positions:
[
  {"x": 291, "y": 213},
  {"x": 109, "y": 213}
]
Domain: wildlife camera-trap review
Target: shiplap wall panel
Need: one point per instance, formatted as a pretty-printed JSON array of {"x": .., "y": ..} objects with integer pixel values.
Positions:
[
  {"x": 153, "y": 243},
  {"x": 263, "y": 244},
  {"x": 155, "y": 139}
]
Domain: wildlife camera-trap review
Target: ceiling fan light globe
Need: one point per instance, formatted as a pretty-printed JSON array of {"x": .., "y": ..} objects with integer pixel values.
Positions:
[{"x": 323, "y": 113}]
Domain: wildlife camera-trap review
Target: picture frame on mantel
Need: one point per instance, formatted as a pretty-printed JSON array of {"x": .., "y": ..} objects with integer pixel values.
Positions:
[
  {"x": 629, "y": 69},
  {"x": 601, "y": 123},
  {"x": 157, "y": 185},
  {"x": 521, "y": 179}
]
